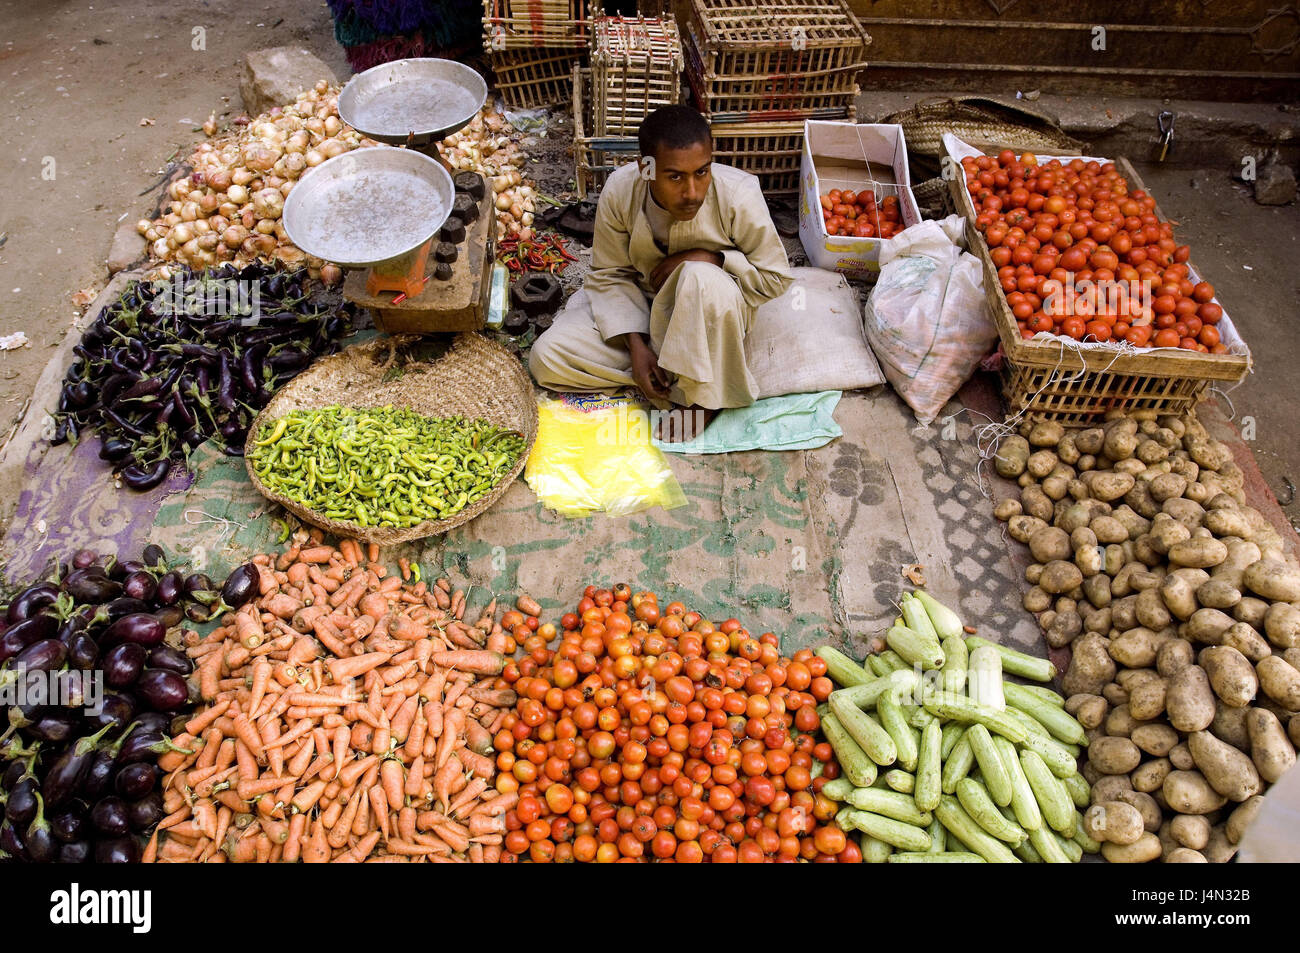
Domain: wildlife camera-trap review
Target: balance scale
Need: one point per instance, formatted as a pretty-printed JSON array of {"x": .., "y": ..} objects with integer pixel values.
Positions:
[{"x": 418, "y": 245}]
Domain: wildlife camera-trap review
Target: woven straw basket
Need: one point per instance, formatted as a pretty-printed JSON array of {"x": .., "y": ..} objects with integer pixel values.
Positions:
[{"x": 477, "y": 378}]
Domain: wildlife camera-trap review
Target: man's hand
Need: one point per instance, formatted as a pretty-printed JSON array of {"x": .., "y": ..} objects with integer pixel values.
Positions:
[
  {"x": 666, "y": 267},
  {"x": 649, "y": 376}
]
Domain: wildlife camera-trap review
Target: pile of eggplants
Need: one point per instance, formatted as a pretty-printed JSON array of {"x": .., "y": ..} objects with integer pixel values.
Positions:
[
  {"x": 160, "y": 372},
  {"x": 79, "y": 782}
]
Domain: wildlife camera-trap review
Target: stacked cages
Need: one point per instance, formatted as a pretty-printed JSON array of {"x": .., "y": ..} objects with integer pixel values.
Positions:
[{"x": 533, "y": 46}]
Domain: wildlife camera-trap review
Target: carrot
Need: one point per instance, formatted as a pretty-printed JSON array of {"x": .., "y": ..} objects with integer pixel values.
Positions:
[
  {"x": 471, "y": 793},
  {"x": 457, "y": 689},
  {"x": 318, "y": 700},
  {"x": 480, "y": 765},
  {"x": 303, "y": 727},
  {"x": 150, "y": 854},
  {"x": 390, "y": 775},
  {"x": 252, "y": 788},
  {"x": 454, "y": 722},
  {"x": 317, "y": 554},
  {"x": 317, "y": 849},
  {"x": 414, "y": 743},
  {"x": 343, "y": 668},
  {"x": 365, "y": 846},
  {"x": 497, "y": 805},
  {"x": 248, "y": 629},
  {"x": 330, "y": 637},
  {"x": 496, "y": 697},
  {"x": 383, "y": 735},
  {"x": 480, "y": 824},
  {"x": 349, "y": 774},
  {"x": 199, "y": 722},
  {"x": 209, "y": 673},
  {"x": 306, "y": 799},
  {"x": 277, "y": 831},
  {"x": 372, "y": 552},
  {"x": 378, "y": 801},
  {"x": 477, "y": 738},
  {"x": 414, "y": 777},
  {"x": 442, "y": 779},
  {"x": 414, "y": 850},
  {"x": 339, "y": 833},
  {"x": 274, "y": 756},
  {"x": 248, "y": 734}
]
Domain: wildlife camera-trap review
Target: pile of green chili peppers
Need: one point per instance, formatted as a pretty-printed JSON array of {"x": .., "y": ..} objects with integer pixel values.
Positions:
[{"x": 386, "y": 466}]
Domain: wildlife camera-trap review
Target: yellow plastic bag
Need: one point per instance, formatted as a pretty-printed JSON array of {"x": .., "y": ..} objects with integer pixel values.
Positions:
[{"x": 593, "y": 453}]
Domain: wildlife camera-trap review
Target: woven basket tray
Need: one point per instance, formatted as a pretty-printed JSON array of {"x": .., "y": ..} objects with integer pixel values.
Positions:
[{"x": 476, "y": 378}]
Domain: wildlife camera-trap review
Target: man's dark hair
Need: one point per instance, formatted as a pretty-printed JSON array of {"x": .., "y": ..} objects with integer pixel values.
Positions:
[{"x": 672, "y": 127}]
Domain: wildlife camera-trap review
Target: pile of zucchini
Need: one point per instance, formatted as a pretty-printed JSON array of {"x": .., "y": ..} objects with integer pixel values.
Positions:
[{"x": 943, "y": 760}]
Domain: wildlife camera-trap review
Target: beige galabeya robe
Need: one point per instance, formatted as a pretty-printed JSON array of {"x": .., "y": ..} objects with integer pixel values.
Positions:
[{"x": 697, "y": 321}]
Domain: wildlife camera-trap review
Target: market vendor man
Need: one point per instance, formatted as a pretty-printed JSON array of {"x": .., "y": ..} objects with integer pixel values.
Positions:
[{"x": 683, "y": 252}]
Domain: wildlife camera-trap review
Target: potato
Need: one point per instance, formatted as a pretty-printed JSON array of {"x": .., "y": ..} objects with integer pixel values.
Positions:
[
  {"x": 1226, "y": 522},
  {"x": 1120, "y": 722},
  {"x": 1219, "y": 850},
  {"x": 1272, "y": 578},
  {"x": 1136, "y": 648},
  {"x": 1270, "y": 748},
  {"x": 1108, "y": 486},
  {"x": 1146, "y": 806},
  {"x": 1063, "y": 629},
  {"x": 1185, "y": 855},
  {"x": 1124, "y": 613},
  {"x": 1139, "y": 498},
  {"x": 1247, "y": 641},
  {"x": 1108, "y": 787},
  {"x": 1089, "y": 559},
  {"x": 1187, "y": 512},
  {"x": 1198, "y": 553},
  {"x": 1156, "y": 739},
  {"x": 1189, "y": 701},
  {"x": 1049, "y": 543},
  {"x": 1132, "y": 466},
  {"x": 1150, "y": 609},
  {"x": 1121, "y": 440},
  {"x": 1174, "y": 656},
  {"x": 1282, "y": 625},
  {"x": 1033, "y": 573},
  {"x": 1280, "y": 681},
  {"x": 1241, "y": 818},
  {"x": 1037, "y": 600},
  {"x": 1190, "y": 830},
  {"x": 1208, "y": 626},
  {"x": 1147, "y": 701},
  {"x": 1046, "y": 433},
  {"x": 1142, "y": 851},
  {"x": 1060, "y": 576},
  {"x": 1113, "y": 822},
  {"x": 1231, "y": 675},
  {"x": 1134, "y": 523},
  {"x": 1099, "y": 620},
  {"x": 1107, "y": 529},
  {"x": 1291, "y": 657},
  {"x": 1180, "y": 756},
  {"x": 1167, "y": 486},
  {"x": 1114, "y": 755},
  {"x": 1040, "y": 464},
  {"x": 1036, "y": 503},
  {"x": 1081, "y": 537},
  {"x": 1089, "y": 710},
  {"x": 1150, "y": 451},
  {"x": 1115, "y": 694},
  {"x": 1121, "y": 584},
  {"x": 1020, "y": 528},
  {"x": 1217, "y": 594},
  {"x": 1150, "y": 776},
  {"x": 1131, "y": 678},
  {"x": 1097, "y": 589},
  {"x": 1229, "y": 726},
  {"x": 1229, "y": 771},
  {"x": 1165, "y": 533},
  {"x": 1090, "y": 441},
  {"x": 1007, "y": 508},
  {"x": 1091, "y": 667},
  {"x": 1251, "y": 611},
  {"x": 1011, "y": 456},
  {"x": 1117, "y": 556},
  {"x": 1085, "y": 463},
  {"x": 1210, "y": 454},
  {"x": 1188, "y": 792}
]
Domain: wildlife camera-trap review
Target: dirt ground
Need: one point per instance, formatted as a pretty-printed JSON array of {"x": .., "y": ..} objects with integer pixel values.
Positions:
[{"x": 77, "y": 80}]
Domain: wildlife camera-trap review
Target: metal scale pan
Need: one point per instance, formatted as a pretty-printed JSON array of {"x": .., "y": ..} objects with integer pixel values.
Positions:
[{"x": 414, "y": 102}]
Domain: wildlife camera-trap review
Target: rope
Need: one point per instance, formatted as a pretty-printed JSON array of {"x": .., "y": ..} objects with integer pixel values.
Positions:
[{"x": 224, "y": 522}]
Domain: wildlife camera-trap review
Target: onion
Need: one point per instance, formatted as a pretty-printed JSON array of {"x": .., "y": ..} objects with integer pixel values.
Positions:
[
  {"x": 297, "y": 143},
  {"x": 219, "y": 180},
  {"x": 294, "y": 164},
  {"x": 247, "y": 217},
  {"x": 331, "y": 275},
  {"x": 242, "y": 177},
  {"x": 180, "y": 235},
  {"x": 202, "y": 225},
  {"x": 151, "y": 235},
  {"x": 218, "y": 223},
  {"x": 208, "y": 203},
  {"x": 228, "y": 209},
  {"x": 160, "y": 248},
  {"x": 237, "y": 194},
  {"x": 504, "y": 201},
  {"x": 287, "y": 188},
  {"x": 332, "y": 126},
  {"x": 266, "y": 226},
  {"x": 268, "y": 203},
  {"x": 314, "y": 158},
  {"x": 235, "y": 235},
  {"x": 190, "y": 248},
  {"x": 331, "y": 148},
  {"x": 208, "y": 241}
]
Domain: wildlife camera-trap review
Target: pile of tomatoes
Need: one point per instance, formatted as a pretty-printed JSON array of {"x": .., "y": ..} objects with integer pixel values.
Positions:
[
  {"x": 858, "y": 214},
  {"x": 1076, "y": 224},
  {"x": 655, "y": 735}
]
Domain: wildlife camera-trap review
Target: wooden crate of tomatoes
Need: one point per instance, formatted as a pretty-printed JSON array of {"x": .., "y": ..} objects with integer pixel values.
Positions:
[
  {"x": 1098, "y": 306},
  {"x": 861, "y": 214}
]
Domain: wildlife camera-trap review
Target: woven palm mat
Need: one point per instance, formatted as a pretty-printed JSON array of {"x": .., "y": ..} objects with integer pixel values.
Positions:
[{"x": 808, "y": 544}]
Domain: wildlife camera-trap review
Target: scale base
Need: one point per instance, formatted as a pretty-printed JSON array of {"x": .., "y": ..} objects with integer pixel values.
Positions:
[
  {"x": 458, "y": 304},
  {"x": 404, "y": 275}
]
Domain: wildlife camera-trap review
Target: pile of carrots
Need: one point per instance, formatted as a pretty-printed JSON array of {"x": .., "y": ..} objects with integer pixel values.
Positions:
[{"x": 348, "y": 717}]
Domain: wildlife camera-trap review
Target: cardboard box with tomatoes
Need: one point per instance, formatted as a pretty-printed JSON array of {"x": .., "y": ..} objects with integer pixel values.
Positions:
[{"x": 855, "y": 194}]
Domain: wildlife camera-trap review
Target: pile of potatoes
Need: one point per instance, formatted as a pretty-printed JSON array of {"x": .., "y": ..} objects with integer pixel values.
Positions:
[{"x": 1182, "y": 611}]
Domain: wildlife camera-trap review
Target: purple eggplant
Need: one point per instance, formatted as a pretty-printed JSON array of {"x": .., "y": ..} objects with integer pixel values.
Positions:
[
  {"x": 197, "y": 613},
  {"x": 28, "y": 632},
  {"x": 84, "y": 558},
  {"x": 128, "y": 566},
  {"x": 170, "y": 588},
  {"x": 119, "y": 850},
  {"x": 240, "y": 586},
  {"x": 170, "y": 616},
  {"x": 13, "y": 773},
  {"x": 123, "y": 663},
  {"x": 124, "y": 605},
  {"x": 65, "y": 777},
  {"x": 30, "y": 601},
  {"x": 11, "y": 842},
  {"x": 41, "y": 844},
  {"x": 47, "y": 655},
  {"x": 116, "y": 710},
  {"x": 197, "y": 582},
  {"x": 146, "y": 746},
  {"x": 103, "y": 768},
  {"x": 83, "y": 652},
  {"x": 135, "y": 780},
  {"x": 154, "y": 558},
  {"x": 166, "y": 657},
  {"x": 70, "y": 824},
  {"x": 141, "y": 478},
  {"x": 138, "y": 627},
  {"x": 20, "y": 807},
  {"x": 91, "y": 585},
  {"x": 145, "y": 812},
  {"x": 109, "y": 817},
  {"x": 55, "y": 726},
  {"x": 78, "y": 852},
  {"x": 141, "y": 585},
  {"x": 162, "y": 690}
]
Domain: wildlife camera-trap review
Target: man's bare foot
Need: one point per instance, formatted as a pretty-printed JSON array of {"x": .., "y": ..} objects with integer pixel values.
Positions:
[{"x": 681, "y": 424}]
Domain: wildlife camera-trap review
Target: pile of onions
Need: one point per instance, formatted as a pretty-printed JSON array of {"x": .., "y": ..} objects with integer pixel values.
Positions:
[
  {"x": 489, "y": 146},
  {"x": 228, "y": 209}
]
